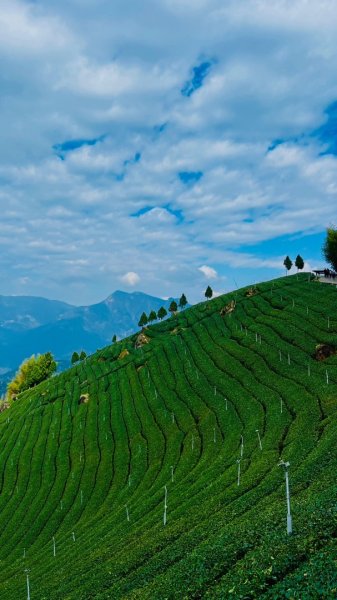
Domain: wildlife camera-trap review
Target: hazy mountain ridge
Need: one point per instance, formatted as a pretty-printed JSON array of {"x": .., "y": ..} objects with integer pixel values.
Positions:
[{"x": 30, "y": 325}]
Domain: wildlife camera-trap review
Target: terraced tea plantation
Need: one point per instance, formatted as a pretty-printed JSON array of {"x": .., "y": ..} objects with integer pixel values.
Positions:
[{"x": 163, "y": 480}]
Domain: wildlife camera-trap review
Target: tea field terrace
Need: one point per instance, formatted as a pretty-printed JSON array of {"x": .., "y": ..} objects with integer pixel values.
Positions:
[{"x": 82, "y": 501}]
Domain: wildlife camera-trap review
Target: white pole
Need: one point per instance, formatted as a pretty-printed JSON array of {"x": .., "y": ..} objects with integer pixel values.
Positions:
[
  {"x": 172, "y": 417},
  {"x": 127, "y": 513},
  {"x": 241, "y": 449},
  {"x": 281, "y": 404},
  {"x": 238, "y": 461},
  {"x": 327, "y": 376},
  {"x": 165, "y": 505},
  {"x": 28, "y": 589},
  {"x": 289, "y": 519},
  {"x": 54, "y": 547},
  {"x": 172, "y": 476},
  {"x": 258, "y": 435},
  {"x": 286, "y": 465},
  {"x": 214, "y": 435},
  {"x": 280, "y": 355},
  {"x": 73, "y": 536},
  {"x": 226, "y": 404}
]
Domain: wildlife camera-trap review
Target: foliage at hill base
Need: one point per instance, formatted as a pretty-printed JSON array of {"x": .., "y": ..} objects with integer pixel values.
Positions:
[{"x": 33, "y": 371}]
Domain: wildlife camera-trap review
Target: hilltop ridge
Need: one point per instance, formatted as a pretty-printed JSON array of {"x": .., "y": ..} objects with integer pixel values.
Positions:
[{"x": 155, "y": 469}]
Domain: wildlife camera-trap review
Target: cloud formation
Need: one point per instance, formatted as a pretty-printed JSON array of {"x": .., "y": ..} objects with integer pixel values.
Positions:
[
  {"x": 208, "y": 272},
  {"x": 131, "y": 278},
  {"x": 161, "y": 136}
]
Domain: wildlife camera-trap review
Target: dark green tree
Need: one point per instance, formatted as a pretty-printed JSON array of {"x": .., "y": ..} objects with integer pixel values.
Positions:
[
  {"x": 114, "y": 339},
  {"x": 83, "y": 355},
  {"x": 152, "y": 316},
  {"x": 75, "y": 358},
  {"x": 143, "y": 320},
  {"x": 173, "y": 307},
  {"x": 182, "y": 301},
  {"x": 299, "y": 262},
  {"x": 162, "y": 312},
  {"x": 330, "y": 247},
  {"x": 209, "y": 292},
  {"x": 288, "y": 264}
]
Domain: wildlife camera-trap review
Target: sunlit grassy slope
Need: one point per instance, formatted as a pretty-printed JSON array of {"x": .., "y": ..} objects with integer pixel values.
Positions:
[{"x": 172, "y": 414}]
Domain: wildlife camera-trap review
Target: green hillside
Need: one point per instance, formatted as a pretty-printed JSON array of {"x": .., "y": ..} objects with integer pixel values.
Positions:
[{"x": 174, "y": 413}]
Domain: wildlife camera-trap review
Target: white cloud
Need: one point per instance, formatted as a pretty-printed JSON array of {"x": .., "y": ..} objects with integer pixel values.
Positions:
[
  {"x": 67, "y": 223},
  {"x": 25, "y": 31},
  {"x": 131, "y": 278},
  {"x": 209, "y": 272}
]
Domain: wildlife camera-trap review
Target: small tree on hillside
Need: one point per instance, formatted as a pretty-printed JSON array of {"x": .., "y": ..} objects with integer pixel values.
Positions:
[
  {"x": 114, "y": 339},
  {"x": 173, "y": 307},
  {"x": 288, "y": 264},
  {"x": 75, "y": 358},
  {"x": 182, "y": 301},
  {"x": 83, "y": 355},
  {"x": 330, "y": 247},
  {"x": 143, "y": 320},
  {"x": 299, "y": 262},
  {"x": 209, "y": 292},
  {"x": 162, "y": 312},
  {"x": 152, "y": 316},
  {"x": 32, "y": 371}
]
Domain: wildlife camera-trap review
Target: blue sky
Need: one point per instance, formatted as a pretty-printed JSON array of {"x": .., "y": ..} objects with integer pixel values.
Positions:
[{"x": 164, "y": 145}]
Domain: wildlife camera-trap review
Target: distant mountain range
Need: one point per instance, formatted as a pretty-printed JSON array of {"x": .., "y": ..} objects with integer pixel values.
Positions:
[{"x": 31, "y": 325}]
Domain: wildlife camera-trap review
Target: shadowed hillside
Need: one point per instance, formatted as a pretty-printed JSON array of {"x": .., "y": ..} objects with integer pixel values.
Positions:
[
  {"x": 87, "y": 457},
  {"x": 30, "y": 325}
]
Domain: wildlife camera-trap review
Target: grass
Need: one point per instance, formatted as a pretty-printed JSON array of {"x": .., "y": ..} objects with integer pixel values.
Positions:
[{"x": 185, "y": 400}]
